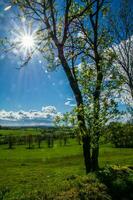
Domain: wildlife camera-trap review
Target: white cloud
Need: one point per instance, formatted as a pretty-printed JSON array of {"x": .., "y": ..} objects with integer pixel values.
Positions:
[
  {"x": 47, "y": 114},
  {"x": 69, "y": 99},
  {"x": 49, "y": 110},
  {"x": 69, "y": 102}
]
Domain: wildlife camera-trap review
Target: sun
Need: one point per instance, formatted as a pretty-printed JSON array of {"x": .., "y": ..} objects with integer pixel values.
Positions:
[
  {"x": 24, "y": 39},
  {"x": 27, "y": 41}
]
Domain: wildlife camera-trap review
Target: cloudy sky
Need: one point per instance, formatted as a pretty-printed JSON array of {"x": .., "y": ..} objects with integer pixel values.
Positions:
[
  {"x": 31, "y": 95},
  {"x": 27, "y": 94},
  {"x": 32, "y": 117}
]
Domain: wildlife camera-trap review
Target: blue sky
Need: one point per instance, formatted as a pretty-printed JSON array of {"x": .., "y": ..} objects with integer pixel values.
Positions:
[{"x": 33, "y": 87}]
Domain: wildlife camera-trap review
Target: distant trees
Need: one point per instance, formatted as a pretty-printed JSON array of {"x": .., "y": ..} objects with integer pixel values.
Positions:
[
  {"x": 50, "y": 141},
  {"x": 32, "y": 139},
  {"x": 29, "y": 141},
  {"x": 39, "y": 140},
  {"x": 119, "y": 134},
  {"x": 10, "y": 141}
]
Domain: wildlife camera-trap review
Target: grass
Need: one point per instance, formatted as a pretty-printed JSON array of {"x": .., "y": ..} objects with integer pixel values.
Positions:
[
  {"x": 19, "y": 132},
  {"x": 32, "y": 131},
  {"x": 23, "y": 171}
]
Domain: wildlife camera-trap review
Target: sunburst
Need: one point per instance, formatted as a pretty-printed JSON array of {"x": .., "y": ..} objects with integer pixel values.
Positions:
[
  {"x": 27, "y": 41},
  {"x": 24, "y": 40}
]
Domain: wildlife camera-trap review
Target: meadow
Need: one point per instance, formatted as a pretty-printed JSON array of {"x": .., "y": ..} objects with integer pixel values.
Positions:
[{"x": 24, "y": 171}]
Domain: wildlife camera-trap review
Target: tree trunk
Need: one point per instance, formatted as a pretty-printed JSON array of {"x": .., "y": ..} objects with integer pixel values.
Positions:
[
  {"x": 95, "y": 155},
  {"x": 95, "y": 150},
  {"x": 87, "y": 152},
  {"x": 80, "y": 116}
]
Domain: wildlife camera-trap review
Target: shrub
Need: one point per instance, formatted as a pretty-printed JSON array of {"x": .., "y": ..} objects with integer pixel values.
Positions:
[
  {"x": 119, "y": 181},
  {"x": 71, "y": 194},
  {"x": 84, "y": 188}
]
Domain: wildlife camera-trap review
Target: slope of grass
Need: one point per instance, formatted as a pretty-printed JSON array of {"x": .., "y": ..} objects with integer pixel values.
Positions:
[
  {"x": 23, "y": 171},
  {"x": 19, "y": 132}
]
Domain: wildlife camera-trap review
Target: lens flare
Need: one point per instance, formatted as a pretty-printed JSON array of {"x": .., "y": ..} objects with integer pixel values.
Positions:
[
  {"x": 27, "y": 41},
  {"x": 24, "y": 39}
]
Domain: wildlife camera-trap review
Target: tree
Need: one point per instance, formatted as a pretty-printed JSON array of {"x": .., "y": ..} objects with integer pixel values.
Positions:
[
  {"x": 94, "y": 21},
  {"x": 10, "y": 142},
  {"x": 58, "y": 29},
  {"x": 54, "y": 25},
  {"x": 29, "y": 141},
  {"x": 96, "y": 61},
  {"x": 39, "y": 140},
  {"x": 121, "y": 28}
]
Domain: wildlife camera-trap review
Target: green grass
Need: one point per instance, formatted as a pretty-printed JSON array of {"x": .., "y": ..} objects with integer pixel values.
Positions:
[
  {"x": 33, "y": 131},
  {"x": 20, "y": 132},
  {"x": 23, "y": 171}
]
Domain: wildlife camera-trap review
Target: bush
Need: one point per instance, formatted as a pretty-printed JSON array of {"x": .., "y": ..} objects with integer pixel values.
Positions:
[
  {"x": 121, "y": 135},
  {"x": 113, "y": 182},
  {"x": 74, "y": 188},
  {"x": 119, "y": 181},
  {"x": 84, "y": 188}
]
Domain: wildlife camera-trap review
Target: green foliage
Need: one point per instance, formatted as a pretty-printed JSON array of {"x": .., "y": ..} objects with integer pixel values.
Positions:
[
  {"x": 74, "y": 188},
  {"x": 119, "y": 180},
  {"x": 84, "y": 188},
  {"x": 63, "y": 42},
  {"x": 34, "y": 136},
  {"x": 121, "y": 135}
]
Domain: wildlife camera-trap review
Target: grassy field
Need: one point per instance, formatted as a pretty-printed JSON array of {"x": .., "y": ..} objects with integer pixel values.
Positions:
[
  {"x": 23, "y": 171},
  {"x": 19, "y": 132},
  {"x": 32, "y": 131}
]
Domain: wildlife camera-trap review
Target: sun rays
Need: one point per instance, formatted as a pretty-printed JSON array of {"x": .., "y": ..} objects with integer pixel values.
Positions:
[
  {"x": 27, "y": 42},
  {"x": 24, "y": 40}
]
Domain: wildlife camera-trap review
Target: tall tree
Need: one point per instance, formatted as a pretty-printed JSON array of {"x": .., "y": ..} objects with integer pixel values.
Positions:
[
  {"x": 55, "y": 20},
  {"x": 95, "y": 42},
  {"x": 121, "y": 28},
  {"x": 59, "y": 27}
]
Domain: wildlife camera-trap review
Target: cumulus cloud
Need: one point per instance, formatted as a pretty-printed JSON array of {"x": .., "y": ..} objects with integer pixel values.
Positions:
[
  {"x": 69, "y": 102},
  {"x": 46, "y": 115}
]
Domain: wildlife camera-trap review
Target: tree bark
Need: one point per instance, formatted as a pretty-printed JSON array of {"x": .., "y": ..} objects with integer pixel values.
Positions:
[
  {"x": 80, "y": 115},
  {"x": 94, "y": 19},
  {"x": 96, "y": 96},
  {"x": 87, "y": 153},
  {"x": 95, "y": 155}
]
